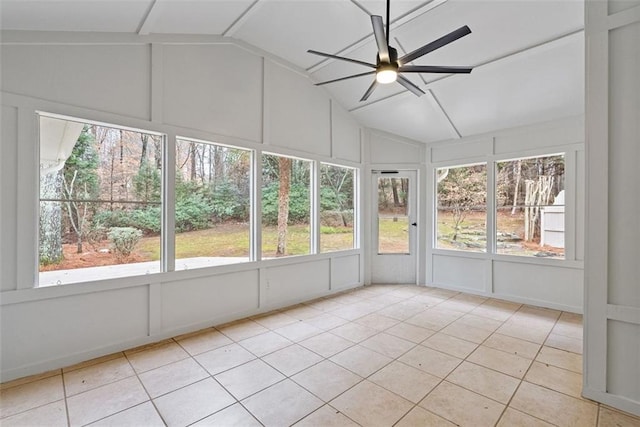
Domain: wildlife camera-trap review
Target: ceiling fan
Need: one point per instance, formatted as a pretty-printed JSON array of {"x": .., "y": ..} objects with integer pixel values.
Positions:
[{"x": 389, "y": 68}]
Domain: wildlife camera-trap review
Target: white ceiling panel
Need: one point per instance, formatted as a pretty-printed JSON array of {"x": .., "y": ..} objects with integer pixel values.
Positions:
[
  {"x": 73, "y": 15},
  {"x": 539, "y": 85},
  {"x": 407, "y": 115},
  {"x": 196, "y": 16},
  {"x": 498, "y": 28},
  {"x": 398, "y": 7},
  {"x": 288, "y": 28}
]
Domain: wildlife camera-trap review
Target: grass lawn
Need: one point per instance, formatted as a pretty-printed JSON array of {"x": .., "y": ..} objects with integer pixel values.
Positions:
[{"x": 232, "y": 240}]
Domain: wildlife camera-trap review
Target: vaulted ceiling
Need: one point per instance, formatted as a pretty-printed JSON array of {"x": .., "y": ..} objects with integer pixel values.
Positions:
[{"x": 528, "y": 56}]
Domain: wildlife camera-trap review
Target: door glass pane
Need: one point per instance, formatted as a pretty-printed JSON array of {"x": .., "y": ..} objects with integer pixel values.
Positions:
[{"x": 393, "y": 215}]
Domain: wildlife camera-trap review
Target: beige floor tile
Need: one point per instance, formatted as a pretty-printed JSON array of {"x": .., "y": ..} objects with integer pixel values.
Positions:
[
  {"x": 557, "y": 379},
  {"x": 560, "y": 358},
  {"x": 501, "y": 361},
  {"x": 389, "y": 345},
  {"x": 354, "y": 332},
  {"x": 93, "y": 376},
  {"x": 206, "y": 340},
  {"x": 266, "y": 343},
  {"x": 410, "y": 332},
  {"x": 292, "y": 359},
  {"x": 298, "y": 331},
  {"x": 403, "y": 310},
  {"x": 360, "y": 360},
  {"x": 496, "y": 309},
  {"x": 326, "y": 380},
  {"x": 171, "y": 377},
  {"x": 233, "y": 416},
  {"x": 525, "y": 332},
  {"x": 371, "y": 405},
  {"x": 302, "y": 312},
  {"x": 27, "y": 396},
  {"x": 512, "y": 418},
  {"x": 353, "y": 311},
  {"x": 224, "y": 358},
  {"x": 242, "y": 329},
  {"x": 461, "y": 406},
  {"x": 249, "y": 378},
  {"x": 571, "y": 330},
  {"x": 454, "y": 305},
  {"x": 325, "y": 304},
  {"x": 479, "y": 322},
  {"x": 450, "y": 345},
  {"x": 387, "y": 299},
  {"x": 101, "y": 402},
  {"x": 93, "y": 361},
  {"x": 274, "y": 320},
  {"x": 192, "y": 403},
  {"x": 326, "y": 416},
  {"x": 539, "y": 313},
  {"x": 30, "y": 379},
  {"x": 282, "y": 404},
  {"x": 326, "y": 321},
  {"x": 326, "y": 344},
  {"x": 377, "y": 321},
  {"x": 608, "y": 417},
  {"x": 155, "y": 356},
  {"x": 138, "y": 416},
  {"x": 406, "y": 381},
  {"x": 419, "y": 417},
  {"x": 466, "y": 332},
  {"x": 430, "y": 361},
  {"x": 561, "y": 342},
  {"x": 484, "y": 381},
  {"x": 526, "y": 349},
  {"x": 49, "y": 415},
  {"x": 434, "y": 318},
  {"x": 554, "y": 407}
]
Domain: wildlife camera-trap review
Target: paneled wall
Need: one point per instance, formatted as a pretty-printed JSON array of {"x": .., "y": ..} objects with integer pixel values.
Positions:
[
  {"x": 612, "y": 303},
  {"x": 544, "y": 282},
  {"x": 205, "y": 88}
]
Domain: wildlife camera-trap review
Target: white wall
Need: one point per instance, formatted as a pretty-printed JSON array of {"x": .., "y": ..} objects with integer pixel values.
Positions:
[
  {"x": 544, "y": 282},
  {"x": 199, "y": 87},
  {"x": 612, "y": 300}
]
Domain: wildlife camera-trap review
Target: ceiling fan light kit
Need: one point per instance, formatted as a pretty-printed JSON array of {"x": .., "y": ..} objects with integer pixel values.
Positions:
[{"x": 389, "y": 68}]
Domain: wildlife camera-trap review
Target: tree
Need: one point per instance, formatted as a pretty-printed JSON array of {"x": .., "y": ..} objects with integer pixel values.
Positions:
[
  {"x": 284, "y": 168},
  {"x": 50, "y": 230},
  {"x": 463, "y": 189},
  {"x": 147, "y": 183},
  {"x": 80, "y": 183}
]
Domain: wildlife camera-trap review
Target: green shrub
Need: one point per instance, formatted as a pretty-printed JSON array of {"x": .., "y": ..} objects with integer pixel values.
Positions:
[
  {"x": 299, "y": 205},
  {"x": 124, "y": 241},
  {"x": 193, "y": 213}
]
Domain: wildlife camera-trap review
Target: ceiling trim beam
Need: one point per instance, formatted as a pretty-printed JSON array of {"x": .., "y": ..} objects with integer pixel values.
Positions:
[
  {"x": 398, "y": 22},
  {"x": 149, "y": 19},
  {"x": 235, "y": 25},
  {"x": 525, "y": 50}
]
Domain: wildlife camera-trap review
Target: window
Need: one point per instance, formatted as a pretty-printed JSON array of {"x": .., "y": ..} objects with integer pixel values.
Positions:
[
  {"x": 461, "y": 208},
  {"x": 393, "y": 215},
  {"x": 337, "y": 186},
  {"x": 530, "y": 206},
  {"x": 286, "y": 206},
  {"x": 100, "y": 201},
  {"x": 213, "y": 205}
]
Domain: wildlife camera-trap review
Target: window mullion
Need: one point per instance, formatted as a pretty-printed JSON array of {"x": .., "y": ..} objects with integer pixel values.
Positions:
[
  {"x": 491, "y": 207},
  {"x": 168, "y": 229}
]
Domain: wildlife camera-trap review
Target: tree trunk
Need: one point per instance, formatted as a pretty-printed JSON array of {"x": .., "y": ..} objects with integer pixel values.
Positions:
[
  {"x": 394, "y": 189},
  {"x": 50, "y": 230},
  {"x": 284, "y": 166},
  {"x": 518, "y": 173},
  {"x": 192, "y": 153},
  {"x": 144, "y": 138}
]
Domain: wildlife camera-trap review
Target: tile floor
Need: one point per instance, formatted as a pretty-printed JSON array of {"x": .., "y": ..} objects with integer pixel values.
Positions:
[{"x": 375, "y": 356}]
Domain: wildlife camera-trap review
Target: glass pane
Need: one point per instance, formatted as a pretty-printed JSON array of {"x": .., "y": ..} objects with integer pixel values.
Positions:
[
  {"x": 286, "y": 206},
  {"x": 393, "y": 215},
  {"x": 100, "y": 202},
  {"x": 336, "y": 208},
  {"x": 213, "y": 205},
  {"x": 462, "y": 208},
  {"x": 530, "y": 207}
]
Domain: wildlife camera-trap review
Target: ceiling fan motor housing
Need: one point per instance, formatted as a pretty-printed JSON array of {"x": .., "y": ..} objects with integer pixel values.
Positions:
[{"x": 393, "y": 58}]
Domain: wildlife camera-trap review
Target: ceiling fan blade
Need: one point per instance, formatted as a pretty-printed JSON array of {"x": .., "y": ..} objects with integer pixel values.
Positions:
[
  {"x": 413, "y": 88},
  {"x": 369, "y": 91},
  {"x": 381, "y": 40},
  {"x": 433, "y": 69},
  {"x": 345, "y": 78},
  {"x": 436, "y": 44},
  {"x": 342, "y": 58}
]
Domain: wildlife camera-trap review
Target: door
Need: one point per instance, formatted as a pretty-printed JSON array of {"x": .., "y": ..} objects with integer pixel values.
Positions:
[{"x": 393, "y": 258}]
